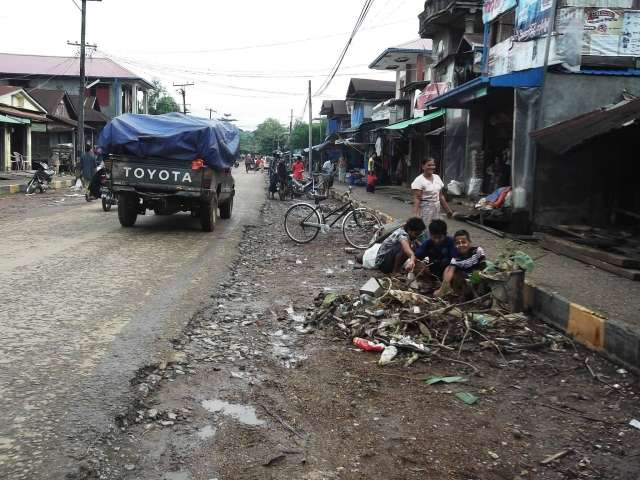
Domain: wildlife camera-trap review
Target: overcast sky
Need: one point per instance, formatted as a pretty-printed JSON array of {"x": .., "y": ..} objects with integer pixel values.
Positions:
[{"x": 250, "y": 58}]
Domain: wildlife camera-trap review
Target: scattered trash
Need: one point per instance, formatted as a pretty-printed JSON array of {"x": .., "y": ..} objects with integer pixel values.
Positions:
[
  {"x": 635, "y": 423},
  {"x": 434, "y": 380},
  {"x": 621, "y": 371},
  {"x": 368, "y": 345},
  {"x": 466, "y": 397},
  {"x": 556, "y": 456},
  {"x": 371, "y": 287},
  {"x": 388, "y": 354},
  {"x": 389, "y": 312},
  {"x": 275, "y": 460},
  {"x": 298, "y": 261},
  {"x": 493, "y": 455}
]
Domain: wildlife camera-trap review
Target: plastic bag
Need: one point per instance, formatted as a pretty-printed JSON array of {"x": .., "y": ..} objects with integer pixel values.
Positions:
[
  {"x": 388, "y": 354},
  {"x": 369, "y": 257},
  {"x": 455, "y": 188},
  {"x": 475, "y": 186}
]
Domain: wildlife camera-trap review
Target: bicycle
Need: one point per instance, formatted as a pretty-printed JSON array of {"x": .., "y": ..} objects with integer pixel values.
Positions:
[{"x": 360, "y": 226}]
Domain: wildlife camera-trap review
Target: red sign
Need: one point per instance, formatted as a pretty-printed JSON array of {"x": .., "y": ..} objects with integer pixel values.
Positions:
[{"x": 430, "y": 92}]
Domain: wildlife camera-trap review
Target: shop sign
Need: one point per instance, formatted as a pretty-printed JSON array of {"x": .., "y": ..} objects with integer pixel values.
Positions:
[
  {"x": 602, "y": 31},
  {"x": 532, "y": 19},
  {"x": 492, "y": 8}
]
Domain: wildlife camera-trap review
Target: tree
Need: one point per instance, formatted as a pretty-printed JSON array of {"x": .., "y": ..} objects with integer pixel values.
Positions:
[
  {"x": 269, "y": 136},
  {"x": 247, "y": 142},
  {"x": 300, "y": 134},
  {"x": 159, "y": 99}
]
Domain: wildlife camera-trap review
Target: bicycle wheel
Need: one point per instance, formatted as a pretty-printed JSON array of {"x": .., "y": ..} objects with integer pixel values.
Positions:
[
  {"x": 360, "y": 228},
  {"x": 295, "y": 219}
]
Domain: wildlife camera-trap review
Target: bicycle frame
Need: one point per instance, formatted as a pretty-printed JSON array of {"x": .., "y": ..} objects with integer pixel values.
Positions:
[{"x": 340, "y": 213}]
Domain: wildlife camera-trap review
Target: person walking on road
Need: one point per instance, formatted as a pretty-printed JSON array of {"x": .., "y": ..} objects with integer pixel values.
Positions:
[
  {"x": 88, "y": 162},
  {"x": 247, "y": 162},
  {"x": 428, "y": 198}
]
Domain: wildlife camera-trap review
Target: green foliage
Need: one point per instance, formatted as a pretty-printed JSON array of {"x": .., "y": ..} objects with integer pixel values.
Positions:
[
  {"x": 160, "y": 101},
  {"x": 300, "y": 134},
  {"x": 247, "y": 142},
  {"x": 510, "y": 261},
  {"x": 269, "y": 136}
]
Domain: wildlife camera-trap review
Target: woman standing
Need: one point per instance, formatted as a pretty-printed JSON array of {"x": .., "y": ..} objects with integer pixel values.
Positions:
[{"x": 427, "y": 194}]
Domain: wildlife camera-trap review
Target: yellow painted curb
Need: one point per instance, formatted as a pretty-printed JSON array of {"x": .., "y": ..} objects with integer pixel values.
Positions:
[
  {"x": 586, "y": 326},
  {"x": 14, "y": 188}
]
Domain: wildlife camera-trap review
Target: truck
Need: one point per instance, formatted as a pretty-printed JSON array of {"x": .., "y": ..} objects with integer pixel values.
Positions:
[{"x": 171, "y": 163}]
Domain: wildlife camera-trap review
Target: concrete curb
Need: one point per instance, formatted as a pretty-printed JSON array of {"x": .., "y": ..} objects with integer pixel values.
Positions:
[
  {"x": 22, "y": 187},
  {"x": 618, "y": 342}
]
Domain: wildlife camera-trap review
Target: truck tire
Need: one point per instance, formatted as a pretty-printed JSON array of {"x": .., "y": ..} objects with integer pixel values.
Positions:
[
  {"x": 208, "y": 215},
  {"x": 127, "y": 209},
  {"x": 226, "y": 209}
]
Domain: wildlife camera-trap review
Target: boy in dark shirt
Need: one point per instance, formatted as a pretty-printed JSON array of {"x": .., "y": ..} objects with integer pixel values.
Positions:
[
  {"x": 469, "y": 259},
  {"x": 439, "y": 248}
]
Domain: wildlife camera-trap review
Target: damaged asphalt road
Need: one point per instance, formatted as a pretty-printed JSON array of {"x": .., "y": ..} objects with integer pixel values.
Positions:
[
  {"x": 86, "y": 304},
  {"x": 253, "y": 391}
]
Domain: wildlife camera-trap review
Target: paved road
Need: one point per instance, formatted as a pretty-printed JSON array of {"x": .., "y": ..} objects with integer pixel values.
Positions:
[{"x": 85, "y": 304}]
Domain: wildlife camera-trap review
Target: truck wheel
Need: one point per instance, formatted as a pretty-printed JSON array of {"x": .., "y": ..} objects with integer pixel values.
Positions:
[
  {"x": 208, "y": 215},
  {"x": 127, "y": 209},
  {"x": 226, "y": 209}
]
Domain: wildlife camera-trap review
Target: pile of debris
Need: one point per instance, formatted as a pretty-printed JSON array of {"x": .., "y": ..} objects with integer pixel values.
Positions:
[{"x": 388, "y": 316}]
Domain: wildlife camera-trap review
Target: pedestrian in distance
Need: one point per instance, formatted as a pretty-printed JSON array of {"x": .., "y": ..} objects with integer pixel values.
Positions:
[
  {"x": 428, "y": 198},
  {"x": 298, "y": 169},
  {"x": 247, "y": 162},
  {"x": 372, "y": 179},
  {"x": 88, "y": 163}
]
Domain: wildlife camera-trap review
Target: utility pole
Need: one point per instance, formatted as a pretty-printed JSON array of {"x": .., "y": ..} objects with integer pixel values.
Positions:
[
  {"x": 310, "y": 133},
  {"x": 82, "y": 87},
  {"x": 183, "y": 91},
  {"x": 290, "y": 139},
  {"x": 211, "y": 112}
]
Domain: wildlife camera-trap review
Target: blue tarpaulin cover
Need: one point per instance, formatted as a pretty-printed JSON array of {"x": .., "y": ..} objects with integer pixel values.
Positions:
[{"x": 172, "y": 135}]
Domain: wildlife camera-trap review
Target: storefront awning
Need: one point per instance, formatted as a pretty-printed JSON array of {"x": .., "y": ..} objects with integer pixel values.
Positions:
[
  {"x": 8, "y": 119},
  {"x": 415, "y": 121},
  {"x": 477, "y": 88},
  {"x": 563, "y": 136}
]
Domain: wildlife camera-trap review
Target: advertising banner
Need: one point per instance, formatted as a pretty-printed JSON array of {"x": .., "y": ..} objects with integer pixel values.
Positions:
[
  {"x": 492, "y": 8},
  {"x": 602, "y": 31},
  {"x": 630, "y": 39},
  {"x": 532, "y": 19}
]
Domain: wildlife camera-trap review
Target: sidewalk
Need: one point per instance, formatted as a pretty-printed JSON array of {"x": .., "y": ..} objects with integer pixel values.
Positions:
[
  {"x": 16, "y": 182},
  {"x": 597, "y": 308}
]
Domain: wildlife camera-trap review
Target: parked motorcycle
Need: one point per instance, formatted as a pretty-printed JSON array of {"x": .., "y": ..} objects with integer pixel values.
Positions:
[{"x": 41, "y": 177}]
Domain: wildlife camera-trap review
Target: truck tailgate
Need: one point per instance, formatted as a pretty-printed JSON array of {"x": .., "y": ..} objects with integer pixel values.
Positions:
[{"x": 143, "y": 173}]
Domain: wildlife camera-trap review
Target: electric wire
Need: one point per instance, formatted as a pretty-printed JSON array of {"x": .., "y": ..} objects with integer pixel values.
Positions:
[{"x": 332, "y": 73}]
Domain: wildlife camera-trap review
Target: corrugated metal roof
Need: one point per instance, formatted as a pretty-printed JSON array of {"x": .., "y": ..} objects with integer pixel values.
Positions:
[
  {"x": 96, "y": 67},
  {"x": 415, "y": 121},
  {"x": 4, "y": 89},
  {"x": 563, "y": 136}
]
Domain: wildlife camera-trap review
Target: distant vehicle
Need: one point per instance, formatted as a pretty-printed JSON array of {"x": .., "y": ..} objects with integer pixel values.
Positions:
[{"x": 184, "y": 170}]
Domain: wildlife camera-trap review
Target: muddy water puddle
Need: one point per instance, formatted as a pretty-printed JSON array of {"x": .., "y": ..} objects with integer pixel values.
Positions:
[
  {"x": 243, "y": 413},
  {"x": 206, "y": 432}
]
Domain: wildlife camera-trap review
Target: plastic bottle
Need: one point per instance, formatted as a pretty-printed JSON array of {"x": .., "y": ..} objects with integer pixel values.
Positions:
[{"x": 367, "y": 345}]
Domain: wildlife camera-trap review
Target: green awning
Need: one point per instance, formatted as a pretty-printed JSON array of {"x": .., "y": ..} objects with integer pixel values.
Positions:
[
  {"x": 415, "y": 121},
  {"x": 8, "y": 119}
]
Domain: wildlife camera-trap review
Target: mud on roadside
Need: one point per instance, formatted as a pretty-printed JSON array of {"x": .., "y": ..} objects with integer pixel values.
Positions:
[{"x": 248, "y": 395}]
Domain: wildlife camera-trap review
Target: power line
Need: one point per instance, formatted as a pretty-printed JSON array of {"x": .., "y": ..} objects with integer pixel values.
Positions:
[
  {"x": 77, "y": 6},
  {"x": 332, "y": 73},
  {"x": 266, "y": 45}
]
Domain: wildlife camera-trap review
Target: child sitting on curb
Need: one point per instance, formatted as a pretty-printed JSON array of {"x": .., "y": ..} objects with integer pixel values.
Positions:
[
  {"x": 439, "y": 248},
  {"x": 469, "y": 259}
]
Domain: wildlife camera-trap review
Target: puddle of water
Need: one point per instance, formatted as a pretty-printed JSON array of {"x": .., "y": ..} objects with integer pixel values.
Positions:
[
  {"x": 242, "y": 413},
  {"x": 181, "y": 475},
  {"x": 206, "y": 432}
]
